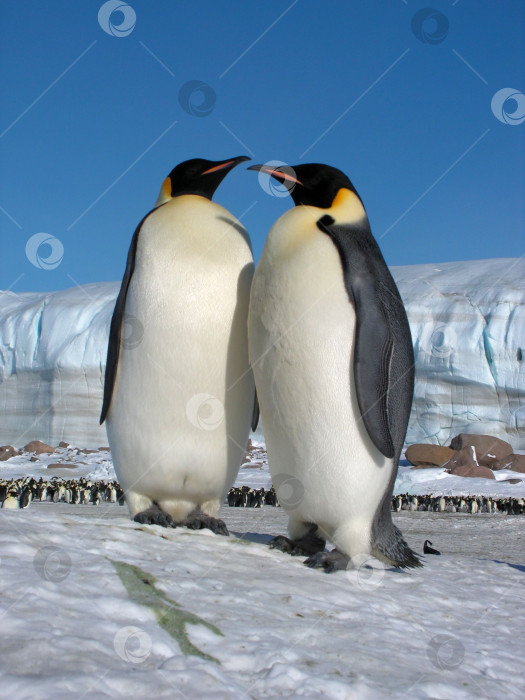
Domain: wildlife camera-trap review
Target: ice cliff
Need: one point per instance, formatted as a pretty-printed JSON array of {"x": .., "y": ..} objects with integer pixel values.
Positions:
[{"x": 468, "y": 329}]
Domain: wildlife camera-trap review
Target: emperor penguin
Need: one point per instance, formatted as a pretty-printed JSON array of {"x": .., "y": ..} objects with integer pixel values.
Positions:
[
  {"x": 179, "y": 393},
  {"x": 332, "y": 356}
]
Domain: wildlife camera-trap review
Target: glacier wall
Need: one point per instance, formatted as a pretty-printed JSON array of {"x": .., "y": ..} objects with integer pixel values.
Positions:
[{"x": 468, "y": 329}]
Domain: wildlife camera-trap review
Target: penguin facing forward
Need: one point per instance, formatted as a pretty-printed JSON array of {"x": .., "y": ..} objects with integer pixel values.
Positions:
[
  {"x": 179, "y": 391},
  {"x": 332, "y": 356}
]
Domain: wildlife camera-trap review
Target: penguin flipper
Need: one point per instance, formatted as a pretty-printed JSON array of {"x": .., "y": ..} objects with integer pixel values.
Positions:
[
  {"x": 383, "y": 355},
  {"x": 256, "y": 412},
  {"x": 116, "y": 326}
]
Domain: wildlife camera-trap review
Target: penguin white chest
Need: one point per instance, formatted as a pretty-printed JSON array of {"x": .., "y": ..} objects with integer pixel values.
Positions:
[
  {"x": 177, "y": 426},
  {"x": 301, "y": 333}
]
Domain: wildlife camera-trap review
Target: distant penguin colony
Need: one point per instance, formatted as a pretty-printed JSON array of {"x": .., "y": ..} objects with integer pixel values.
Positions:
[
  {"x": 332, "y": 356},
  {"x": 180, "y": 399},
  {"x": 20, "y": 493}
]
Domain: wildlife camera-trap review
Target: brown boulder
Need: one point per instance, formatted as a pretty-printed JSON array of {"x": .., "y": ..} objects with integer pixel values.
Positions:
[
  {"x": 38, "y": 447},
  {"x": 428, "y": 455},
  {"x": 489, "y": 449},
  {"x": 62, "y": 465},
  {"x": 6, "y": 452},
  {"x": 473, "y": 472},
  {"x": 62, "y": 443},
  {"x": 514, "y": 462},
  {"x": 464, "y": 463}
]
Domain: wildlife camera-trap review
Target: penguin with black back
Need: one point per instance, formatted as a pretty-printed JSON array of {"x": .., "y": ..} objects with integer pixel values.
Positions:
[
  {"x": 179, "y": 394},
  {"x": 332, "y": 356}
]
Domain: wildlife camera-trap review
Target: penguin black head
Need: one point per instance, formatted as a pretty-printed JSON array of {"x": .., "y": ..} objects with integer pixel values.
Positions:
[
  {"x": 314, "y": 184},
  {"x": 196, "y": 176}
]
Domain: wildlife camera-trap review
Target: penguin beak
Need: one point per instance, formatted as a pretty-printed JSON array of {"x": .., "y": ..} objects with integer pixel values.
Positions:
[
  {"x": 277, "y": 173},
  {"x": 226, "y": 165}
]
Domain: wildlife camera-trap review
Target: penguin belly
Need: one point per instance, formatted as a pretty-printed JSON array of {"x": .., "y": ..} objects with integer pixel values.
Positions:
[
  {"x": 180, "y": 414},
  {"x": 301, "y": 333}
]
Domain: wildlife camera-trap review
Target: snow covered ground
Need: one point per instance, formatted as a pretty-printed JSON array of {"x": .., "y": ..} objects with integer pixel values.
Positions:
[
  {"x": 468, "y": 328},
  {"x": 96, "y": 606}
]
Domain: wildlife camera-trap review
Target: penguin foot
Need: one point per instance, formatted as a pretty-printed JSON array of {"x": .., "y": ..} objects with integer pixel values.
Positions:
[
  {"x": 329, "y": 561},
  {"x": 303, "y": 547},
  {"x": 155, "y": 516},
  {"x": 197, "y": 520}
]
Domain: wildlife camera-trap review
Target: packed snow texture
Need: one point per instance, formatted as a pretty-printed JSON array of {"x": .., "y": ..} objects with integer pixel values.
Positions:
[
  {"x": 468, "y": 329},
  {"x": 265, "y": 626}
]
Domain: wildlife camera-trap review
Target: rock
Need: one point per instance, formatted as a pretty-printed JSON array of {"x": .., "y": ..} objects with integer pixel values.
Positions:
[
  {"x": 103, "y": 449},
  {"x": 420, "y": 455},
  {"x": 473, "y": 472},
  {"x": 38, "y": 447},
  {"x": 62, "y": 443},
  {"x": 87, "y": 452},
  {"x": 514, "y": 462},
  {"x": 62, "y": 465},
  {"x": 513, "y": 481},
  {"x": 34, "y": 459},
  {"x": 464, "y": 463},
  {"x": 489, "y": 449},
  {"x": 6, "y": 452}
]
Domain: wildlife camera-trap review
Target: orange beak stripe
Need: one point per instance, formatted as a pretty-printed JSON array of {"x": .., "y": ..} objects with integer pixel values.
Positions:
[
  {"x": 217, "y": 167},
  {"x": 280, "y": 174}
]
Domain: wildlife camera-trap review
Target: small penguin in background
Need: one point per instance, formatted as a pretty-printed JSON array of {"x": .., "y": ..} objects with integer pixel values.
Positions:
[
  {"x": 332, "y": 356},
  {"x": 428, "y": 549},
  {"x": 179, "y": 391}
]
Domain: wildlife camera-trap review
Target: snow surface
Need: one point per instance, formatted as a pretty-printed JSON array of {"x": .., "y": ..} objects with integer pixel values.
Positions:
[
  {"x": 71, "y": 629},
  {"x": 468, "y": 327}
]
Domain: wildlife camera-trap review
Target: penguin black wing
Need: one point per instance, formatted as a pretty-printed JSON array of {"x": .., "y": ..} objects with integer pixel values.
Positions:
[
  {"x": 383, "y": 355},
  {"x": 255, "y": 414},
  {"x": 116, "y": 325}
]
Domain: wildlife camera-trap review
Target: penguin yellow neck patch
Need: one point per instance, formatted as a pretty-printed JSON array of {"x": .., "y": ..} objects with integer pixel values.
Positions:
[
  {"x": 347, "y": 206},
  {"x": 165, "y": 193}
]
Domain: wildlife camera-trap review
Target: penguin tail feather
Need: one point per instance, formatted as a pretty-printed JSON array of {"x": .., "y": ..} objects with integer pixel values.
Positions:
[{"x": 391, "y": 548}]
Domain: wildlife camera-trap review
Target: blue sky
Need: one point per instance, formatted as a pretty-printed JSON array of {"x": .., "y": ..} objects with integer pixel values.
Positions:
[{"x": 402, "y": 102}]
